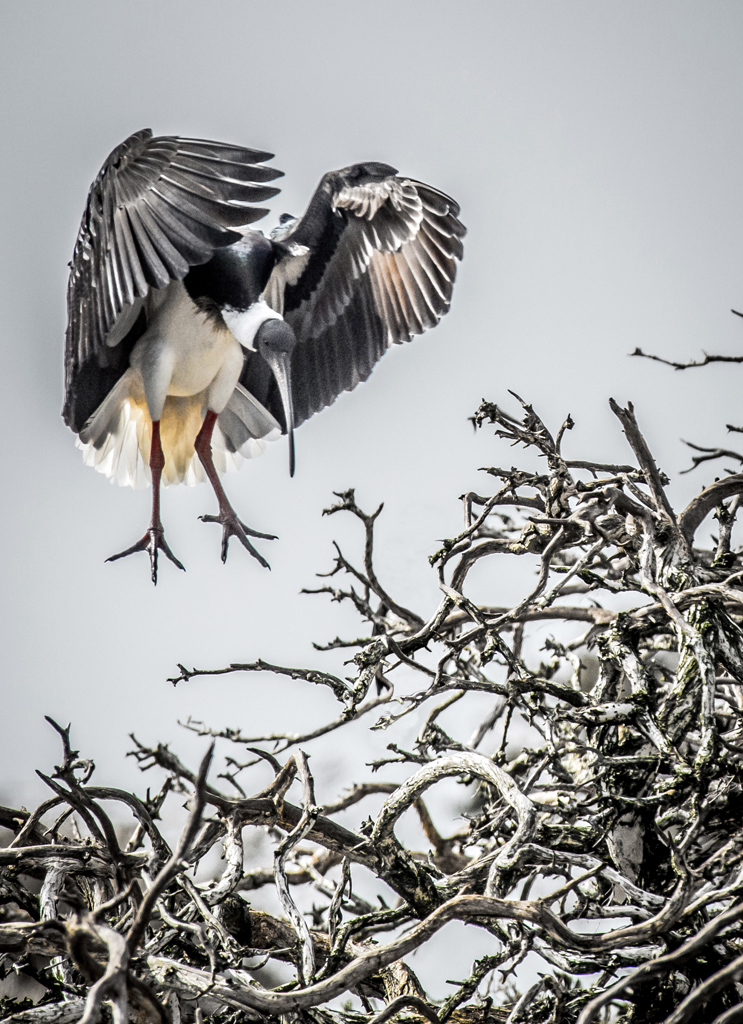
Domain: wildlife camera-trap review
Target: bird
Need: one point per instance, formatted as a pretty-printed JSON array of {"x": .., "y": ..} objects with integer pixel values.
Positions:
[{"x": 193, "y": 338}]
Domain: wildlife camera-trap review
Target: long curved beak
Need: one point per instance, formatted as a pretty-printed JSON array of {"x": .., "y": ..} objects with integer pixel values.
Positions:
[
  {"x": 275, "y": 341},
  {"x": 281, "y": 365}
]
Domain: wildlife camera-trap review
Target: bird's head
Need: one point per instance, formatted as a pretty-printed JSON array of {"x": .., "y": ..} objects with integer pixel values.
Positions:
[{"x": 275, "y": 342}]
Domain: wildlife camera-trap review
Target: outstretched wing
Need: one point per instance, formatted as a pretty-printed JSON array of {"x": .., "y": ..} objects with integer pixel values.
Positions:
[
  {"x": 370, "y": 264},
  {"x": 157, "y": 207}
]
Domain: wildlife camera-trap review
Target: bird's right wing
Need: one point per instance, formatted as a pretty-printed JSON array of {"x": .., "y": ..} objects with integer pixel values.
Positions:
[
  {"x": 158, "y": 207},
  {"x": 370, "y": 264}
]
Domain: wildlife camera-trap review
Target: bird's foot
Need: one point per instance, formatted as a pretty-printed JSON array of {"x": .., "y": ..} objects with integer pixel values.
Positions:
[
  {"x": 234, "y": 527},
  {"x": 152, "y": 541}
]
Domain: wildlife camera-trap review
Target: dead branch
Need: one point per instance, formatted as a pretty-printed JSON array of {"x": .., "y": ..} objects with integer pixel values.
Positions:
[{"x": 595, "y": 727}]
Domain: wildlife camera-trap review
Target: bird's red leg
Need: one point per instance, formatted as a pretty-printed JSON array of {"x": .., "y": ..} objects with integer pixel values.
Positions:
[
  {"x": 154, "y": 539},
  {"x": 231, "y": 525}
]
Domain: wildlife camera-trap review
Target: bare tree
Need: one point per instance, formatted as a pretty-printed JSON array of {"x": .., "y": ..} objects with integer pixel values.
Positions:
[{"x": 603, "y": 832}]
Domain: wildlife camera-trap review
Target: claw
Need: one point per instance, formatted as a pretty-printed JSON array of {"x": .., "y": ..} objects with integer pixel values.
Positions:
[
  {"x": 153, "y": 540},
  {"x": 234, "y": 527}
]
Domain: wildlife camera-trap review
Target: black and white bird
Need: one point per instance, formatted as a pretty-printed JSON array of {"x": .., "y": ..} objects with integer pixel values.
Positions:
[{"x": 193, "y": 338}]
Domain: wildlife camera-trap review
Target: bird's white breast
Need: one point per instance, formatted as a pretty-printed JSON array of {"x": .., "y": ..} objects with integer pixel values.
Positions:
[{"x": 182, "y": 343}]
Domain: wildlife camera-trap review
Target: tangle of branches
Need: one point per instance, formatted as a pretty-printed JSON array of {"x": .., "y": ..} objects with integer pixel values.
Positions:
[{"x": 600, "y": 853}]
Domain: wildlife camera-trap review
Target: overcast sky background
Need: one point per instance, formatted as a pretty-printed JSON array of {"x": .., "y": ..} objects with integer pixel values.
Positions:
[{"x": 596, "y": 151}]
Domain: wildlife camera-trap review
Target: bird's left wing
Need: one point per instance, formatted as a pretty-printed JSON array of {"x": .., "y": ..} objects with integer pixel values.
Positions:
[
  {"x": 158, "y": 207},
  {"x": 371, "y": 263}
]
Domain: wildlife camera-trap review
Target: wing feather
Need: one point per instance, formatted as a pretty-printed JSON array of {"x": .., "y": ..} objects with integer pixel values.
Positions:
[
  {"x": 122, "y": 258},
  {"x": 210, "y": 167},
  {"x": 438, "y": 267},
  {"x": 155, "y": 271},
  {"x": 158, "y": 206},
  {"x": 193, "y": 248},
  {"x": 372, "y": 263},
  {"x": 386, "y": 272}
]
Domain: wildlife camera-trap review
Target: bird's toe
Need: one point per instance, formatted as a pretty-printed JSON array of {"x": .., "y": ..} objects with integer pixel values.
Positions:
[
  {"x": 152, "y": 542},
  {"x": 234, "y": 527}
]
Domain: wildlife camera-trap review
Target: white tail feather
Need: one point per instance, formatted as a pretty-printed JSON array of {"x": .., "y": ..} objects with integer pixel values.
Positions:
[{"x": 116, "y": 439}]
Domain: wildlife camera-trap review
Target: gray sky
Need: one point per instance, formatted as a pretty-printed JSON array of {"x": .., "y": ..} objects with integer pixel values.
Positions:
[{"x": 596, "y": 152}]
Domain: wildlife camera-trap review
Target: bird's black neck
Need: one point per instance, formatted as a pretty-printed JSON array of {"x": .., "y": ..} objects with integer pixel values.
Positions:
[{"x": 235, "y": 276}]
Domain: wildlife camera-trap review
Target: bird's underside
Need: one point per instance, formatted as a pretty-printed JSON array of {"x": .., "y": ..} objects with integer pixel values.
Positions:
[{"x": 192, "y": 339}]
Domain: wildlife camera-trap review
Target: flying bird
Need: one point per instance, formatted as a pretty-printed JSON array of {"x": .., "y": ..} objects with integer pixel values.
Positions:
[{"x": 193, "y": 338}]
